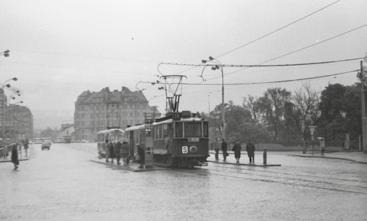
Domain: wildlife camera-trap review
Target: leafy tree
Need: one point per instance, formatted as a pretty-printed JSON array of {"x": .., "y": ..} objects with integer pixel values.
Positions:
[
  {"x": 352, "y": 118},
  {"x": 271, "y": 106},
  {"x": 332, "y": 106}
]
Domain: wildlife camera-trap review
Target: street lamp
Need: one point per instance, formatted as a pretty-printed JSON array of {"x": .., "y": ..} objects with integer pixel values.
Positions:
[
  {"x": 6, "y": 84},
  {"x": 6, "y": 53},
  {"x": 219, "y": 65}
]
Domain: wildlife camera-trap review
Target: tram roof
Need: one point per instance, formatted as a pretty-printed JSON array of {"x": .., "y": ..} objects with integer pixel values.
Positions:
[
  {"x": 142, "y": 126},
  {"x": 136, "y": 127},
  {"x": 110, "y": 131},
  {"x": 189, "y": 119}
]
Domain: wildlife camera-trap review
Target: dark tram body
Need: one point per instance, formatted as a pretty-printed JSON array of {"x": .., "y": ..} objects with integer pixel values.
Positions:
[{"x": 177, "y": 140}]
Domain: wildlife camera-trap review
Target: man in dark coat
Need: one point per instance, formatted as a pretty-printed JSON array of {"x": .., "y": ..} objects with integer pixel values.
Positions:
[
  {"x": 250, "y": 148},
  {"x": 224, "y": 149},
  {"x": 141, "y": 153},
  {"x": 14, "y": 156},
  {"x": 109, "y": 151},
  {"x": 125, "y": 153},
  {"x": 117, "y": 151},
  {"x": 237, "y": 152}
]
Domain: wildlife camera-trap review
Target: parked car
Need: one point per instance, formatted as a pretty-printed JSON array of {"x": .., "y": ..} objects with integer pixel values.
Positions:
[{"x": 46, "y": 145}]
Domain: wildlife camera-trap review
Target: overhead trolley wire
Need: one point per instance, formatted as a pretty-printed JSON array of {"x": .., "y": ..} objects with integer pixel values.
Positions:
[
  {"x": 270, "y": 33},
  {"x": 264, "y": 82},
  {"x": 303, "y": 48},
  {"x": 263, "y": 65},
  {"x": 279, "y": 81},
  {"x": 278, "y": 29}
]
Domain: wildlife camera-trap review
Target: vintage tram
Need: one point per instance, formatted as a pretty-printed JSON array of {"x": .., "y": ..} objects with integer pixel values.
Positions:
[
  {"x": 105, "y": 136},
  {"x": 178, "y": 140}
]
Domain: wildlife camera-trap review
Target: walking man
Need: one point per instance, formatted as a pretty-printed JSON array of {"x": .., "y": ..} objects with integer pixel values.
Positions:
[
  {"x": 250, "y": 148},
  {"x": 14, "y": 156},
  {"x": 117, "y": 150},
  {"x": 224, "y": 150},
  {"x": 237, "y": 152},
  {"x": 125, "y": 153}
]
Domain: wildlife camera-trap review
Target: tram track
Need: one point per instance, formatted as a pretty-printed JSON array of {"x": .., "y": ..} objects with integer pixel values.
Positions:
[
  {"x": 266, "y": 171},
  {"x": 291, "y": 181}
]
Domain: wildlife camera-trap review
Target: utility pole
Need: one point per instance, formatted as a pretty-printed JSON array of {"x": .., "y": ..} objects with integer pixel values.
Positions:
[
  {"x": 219, "y": 65},
  {"x": 363, "y": 103},
  {"x": 223, "y": 107}
]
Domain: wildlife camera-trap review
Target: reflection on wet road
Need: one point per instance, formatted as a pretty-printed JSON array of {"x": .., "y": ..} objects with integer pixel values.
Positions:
[{"x": 70, "y": 183}]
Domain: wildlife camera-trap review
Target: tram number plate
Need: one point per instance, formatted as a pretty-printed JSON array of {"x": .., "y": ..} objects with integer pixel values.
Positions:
[
  {"x": 194, "y": 139},
  {"x": 185, "y": 149}
]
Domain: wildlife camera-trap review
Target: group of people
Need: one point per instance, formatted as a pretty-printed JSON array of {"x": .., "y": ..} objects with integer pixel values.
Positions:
[
  {"x": 118, "y": 150},
  {"x": 250, "y": 148}
]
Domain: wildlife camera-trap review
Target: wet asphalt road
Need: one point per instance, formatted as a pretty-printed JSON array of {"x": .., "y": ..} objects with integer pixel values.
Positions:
[{"x": 70, "y": 183}]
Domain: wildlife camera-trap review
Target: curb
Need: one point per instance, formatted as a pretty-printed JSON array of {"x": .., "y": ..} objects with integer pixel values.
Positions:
[
  {"x": 245, "y": 164},
  {"x": 9, "y": 161},
  {"x": 331, "y": 158}
]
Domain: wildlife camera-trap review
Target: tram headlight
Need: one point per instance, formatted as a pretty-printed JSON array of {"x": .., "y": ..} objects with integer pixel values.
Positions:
[{"x": 193, "y": 149}]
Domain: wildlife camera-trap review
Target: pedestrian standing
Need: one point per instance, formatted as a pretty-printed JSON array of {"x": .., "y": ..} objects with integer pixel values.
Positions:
[
  {"x": 216, "y": 149},
  {"x": 109, "y": 152},
  {"x": 14, "y": 156},
  {"x": 26, "y": 146},
  {"x": 237, "y": 152},
  {"x": 250, "y": 148},
  {"x": 141, "y": 153},
  {"x": 224, "y": 150},
  {"x": 125, "y": 153},
  {"x": 117, "y": 151}
]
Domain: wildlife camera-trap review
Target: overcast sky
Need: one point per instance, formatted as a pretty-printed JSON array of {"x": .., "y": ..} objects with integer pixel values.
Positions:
[{"x": 62, "y": 48}]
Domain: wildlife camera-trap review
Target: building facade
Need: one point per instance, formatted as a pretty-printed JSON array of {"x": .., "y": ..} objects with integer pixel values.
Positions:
[
  {"x": 2, "y": 111},
  {"x": 66, "y": 134},
  {"x": 95, "y": 111},
  {"x": 16, "y": 122}
]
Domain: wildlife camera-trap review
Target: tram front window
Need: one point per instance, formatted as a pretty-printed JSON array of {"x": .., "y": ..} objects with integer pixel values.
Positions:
[
  {"x": 178, "y": 129},
  {"x": 192, "y": 129}
]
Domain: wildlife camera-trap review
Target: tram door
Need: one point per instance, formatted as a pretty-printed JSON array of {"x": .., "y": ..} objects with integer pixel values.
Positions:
[
  {"x": 132, "y": 143},
  {"x": 148, "y": 148}
]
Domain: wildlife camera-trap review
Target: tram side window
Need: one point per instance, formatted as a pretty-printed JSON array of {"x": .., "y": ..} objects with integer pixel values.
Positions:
[
  {"x": 165, "y": 130},
  {"x": 169, "y": 130},
  {"x": 178, "y": 129},
  {"x": 193, "y": 129},
  {"x": 206, "y": 130},
  {"x": 160, "y": 131}
]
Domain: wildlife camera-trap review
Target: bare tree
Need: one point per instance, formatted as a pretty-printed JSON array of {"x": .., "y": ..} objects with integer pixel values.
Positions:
[
  {"x": 250, "y": 104},
  {"x": 306, "y": 101}
]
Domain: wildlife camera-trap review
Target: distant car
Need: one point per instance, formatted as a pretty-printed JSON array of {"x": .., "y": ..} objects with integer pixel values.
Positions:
[{"x": 46, "y": 145}]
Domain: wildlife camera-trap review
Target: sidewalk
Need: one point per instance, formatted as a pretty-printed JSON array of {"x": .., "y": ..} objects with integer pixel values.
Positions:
[
  {"x": 356, "y": 157},
  {"x": 133, "y": 166},
  {"x": 232, "y": 161},
  {"x": 8, "y": 158}
]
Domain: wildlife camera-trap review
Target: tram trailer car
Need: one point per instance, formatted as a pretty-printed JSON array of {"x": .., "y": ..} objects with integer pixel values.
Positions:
[
  {"x": 179, "y": 140},
  {"x": 105, "y": 136}
]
